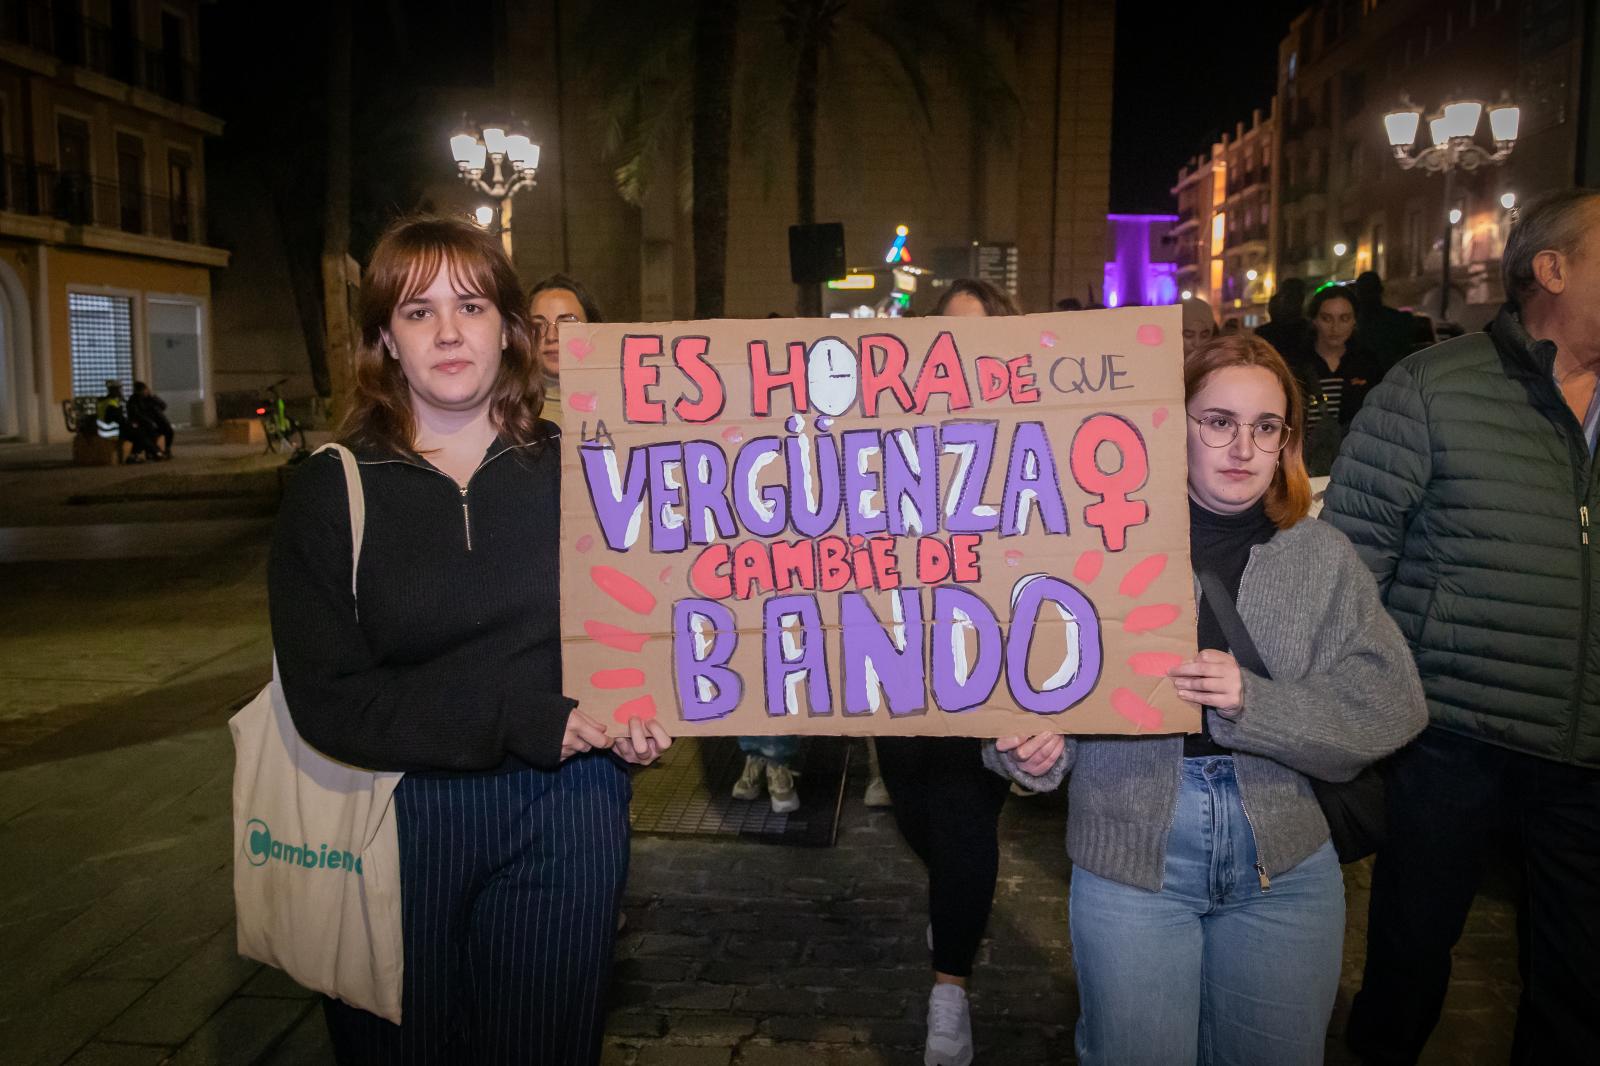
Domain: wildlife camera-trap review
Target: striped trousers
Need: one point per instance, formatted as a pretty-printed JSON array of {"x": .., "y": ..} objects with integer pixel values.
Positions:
[{"x": 510, "y": 886}]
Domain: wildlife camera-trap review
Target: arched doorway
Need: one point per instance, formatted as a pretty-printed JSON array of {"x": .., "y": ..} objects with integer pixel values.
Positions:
[{"x": 8, "y": 362}]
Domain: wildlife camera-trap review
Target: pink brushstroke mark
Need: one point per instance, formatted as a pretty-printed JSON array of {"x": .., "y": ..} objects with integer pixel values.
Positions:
[
  {"x": 1013, "y": 558},
  {"x": 579, "y": 349},
  {"x": 1145, "y": 571},
  {"x": 1158, "y": 416},
  {"x": 1150, "y": 334},
  {"x": 1132, "y": 707},
  {"x": 1088, "y": 566},
  {"x": 1154, "y": 616},
  {"x": 625, "y": 590},
  {"x": 733, "y": 434},
  {"x": 642, "y": 708},
  {"x": 1153, "y": 663},
  {"x": 615, "y": 636},
  {"x": 1047, "y": 339},
  {"x": 624, "y": 678},
  {"x": 581, "y": 401},
  {"x": 665, "y": 575},
  {"x": 585, "y": 542}
]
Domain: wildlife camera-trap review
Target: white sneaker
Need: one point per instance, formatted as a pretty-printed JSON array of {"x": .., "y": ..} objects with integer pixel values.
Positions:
[
  {"x": 780, "y": 787},
  {"x": 877, "y": 794},
  {"x": 949, "y": 1027},
  {"x": 748, "y": 787}
]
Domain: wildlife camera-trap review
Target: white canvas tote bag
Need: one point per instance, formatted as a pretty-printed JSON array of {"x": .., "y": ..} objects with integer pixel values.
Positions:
[{"x": 316, "y": 875}]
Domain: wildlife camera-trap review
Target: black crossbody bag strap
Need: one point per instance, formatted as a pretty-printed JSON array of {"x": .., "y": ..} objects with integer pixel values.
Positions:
[
  {"x": 1356, "y": 810},
  {"x": 1226, "y": 612}
]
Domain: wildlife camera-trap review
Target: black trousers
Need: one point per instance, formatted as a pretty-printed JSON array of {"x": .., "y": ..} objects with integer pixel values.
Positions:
[
  {"x": 1446, "y": 793},
  {"x": 948, "y": 808},
  {"x": 510, "y": 885}
]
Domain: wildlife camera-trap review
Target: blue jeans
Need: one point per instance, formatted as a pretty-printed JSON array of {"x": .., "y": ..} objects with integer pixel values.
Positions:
[
  {"x": 780, "y": 750},
  {"x": 1211, "y": 969}
]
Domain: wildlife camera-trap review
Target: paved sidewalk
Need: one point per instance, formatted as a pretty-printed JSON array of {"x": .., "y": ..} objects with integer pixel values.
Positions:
[{"x": 116, "y": 678}]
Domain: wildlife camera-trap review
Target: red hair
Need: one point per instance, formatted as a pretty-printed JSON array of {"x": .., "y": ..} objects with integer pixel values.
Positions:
[
  {"x": 1289, "y": 496},
  {"x": 408, "y": 257}
]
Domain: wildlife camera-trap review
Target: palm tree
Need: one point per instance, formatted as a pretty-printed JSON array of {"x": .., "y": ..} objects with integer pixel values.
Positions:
[{"x": 792, "y": 38}]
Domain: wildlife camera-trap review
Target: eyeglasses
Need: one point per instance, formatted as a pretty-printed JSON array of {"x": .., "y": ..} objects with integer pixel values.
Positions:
[
  {"x": 1219, "y": 431},
  {"x": 543, "y": 322}
]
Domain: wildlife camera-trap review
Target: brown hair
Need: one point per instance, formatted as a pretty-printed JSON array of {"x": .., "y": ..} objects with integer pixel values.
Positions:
[
  {"x": 995, "y": 300},
  {"x": 1289, "y": 496},
  {"x": 407, "y": 258}
]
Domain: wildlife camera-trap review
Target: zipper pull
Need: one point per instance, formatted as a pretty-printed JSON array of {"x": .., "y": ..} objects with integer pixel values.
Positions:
[
  {"x": 466, "y": 518},
  {"x": 1261, "y": 875},
  {"x": 1583, "y": 521}
]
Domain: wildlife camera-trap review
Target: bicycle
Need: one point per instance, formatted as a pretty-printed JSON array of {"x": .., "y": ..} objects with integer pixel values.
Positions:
[{"x": 281, "y": 430}]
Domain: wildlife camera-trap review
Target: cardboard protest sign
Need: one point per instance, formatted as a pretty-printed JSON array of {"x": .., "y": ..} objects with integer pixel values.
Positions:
[{"x": 963, "y": 526}]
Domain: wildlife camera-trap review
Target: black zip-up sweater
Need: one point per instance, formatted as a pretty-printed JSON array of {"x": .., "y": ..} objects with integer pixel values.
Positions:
[{"x": 453, "y": 662}]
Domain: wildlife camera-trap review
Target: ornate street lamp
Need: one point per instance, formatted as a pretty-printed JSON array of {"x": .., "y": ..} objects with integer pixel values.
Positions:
[
  {"x": 1454, "y": 131},
  {"x": 497, "y": 164}
]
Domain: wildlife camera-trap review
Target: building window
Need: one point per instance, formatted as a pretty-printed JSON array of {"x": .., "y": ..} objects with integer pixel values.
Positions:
[
  {"x": 171, "y": 69},
  {"x": 68, "y": 32},
  {"x": 124, "y": 41},
  {"x": 102, "y": 342},
  {"x": 130, "y": 182},
  {"x": 1354, "y": 92},
  {"x": 74, "y": 192},
  {"x": 179, "y": 167}
]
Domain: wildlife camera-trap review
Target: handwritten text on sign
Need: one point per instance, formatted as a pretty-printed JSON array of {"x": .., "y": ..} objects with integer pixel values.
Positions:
[{"x": 826, "y": 527}]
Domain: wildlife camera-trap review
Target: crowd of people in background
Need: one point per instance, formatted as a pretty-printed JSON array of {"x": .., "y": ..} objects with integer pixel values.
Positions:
[{"x": 1438, "y": 623}]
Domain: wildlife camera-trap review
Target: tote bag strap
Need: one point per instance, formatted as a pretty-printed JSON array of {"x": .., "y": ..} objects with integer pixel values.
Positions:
[{"x": 358, "y": 505}]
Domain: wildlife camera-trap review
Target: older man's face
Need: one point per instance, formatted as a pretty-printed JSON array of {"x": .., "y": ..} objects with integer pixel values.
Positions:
[{"x": 1581, "y": 271}]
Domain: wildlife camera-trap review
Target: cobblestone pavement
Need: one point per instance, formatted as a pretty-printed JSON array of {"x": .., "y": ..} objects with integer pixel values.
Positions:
[{"x": 115, "y": 890}]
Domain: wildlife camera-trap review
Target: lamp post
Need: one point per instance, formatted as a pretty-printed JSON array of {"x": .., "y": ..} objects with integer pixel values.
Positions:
[
  {"x": 1454, "y": 131},
  {"x": 497, "y": 164},
  {"x": 1340, "y": 249}
]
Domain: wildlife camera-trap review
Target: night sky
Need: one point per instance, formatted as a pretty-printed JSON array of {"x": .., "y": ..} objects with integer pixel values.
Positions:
[{"x": 1184, "y": 73}]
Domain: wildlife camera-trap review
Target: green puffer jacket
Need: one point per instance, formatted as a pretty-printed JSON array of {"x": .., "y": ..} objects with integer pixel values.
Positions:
[{"x": 1466, "y": 485}]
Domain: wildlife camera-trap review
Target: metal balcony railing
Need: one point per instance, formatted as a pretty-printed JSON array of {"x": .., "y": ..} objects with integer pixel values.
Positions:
[
  {"x": 83, "y": 42},
  {"x": 74, "y": 198}
]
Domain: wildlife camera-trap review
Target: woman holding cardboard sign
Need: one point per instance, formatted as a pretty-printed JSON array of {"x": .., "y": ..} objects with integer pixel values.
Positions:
[
  {"x": 440, "y": 657},
  {"x": 947, "y": 806},
  {"x": 1207, "y": 906}
]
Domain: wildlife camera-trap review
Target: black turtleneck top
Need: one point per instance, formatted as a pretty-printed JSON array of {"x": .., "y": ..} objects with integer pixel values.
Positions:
[{"x": 1221, "y": 543}]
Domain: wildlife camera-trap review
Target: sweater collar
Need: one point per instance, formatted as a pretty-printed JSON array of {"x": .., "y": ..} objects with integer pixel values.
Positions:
[{"x": 369, "y": 452}]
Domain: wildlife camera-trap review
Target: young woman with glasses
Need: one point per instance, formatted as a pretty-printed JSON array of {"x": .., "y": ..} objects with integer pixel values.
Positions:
[{"x": 1207, "y": 907}]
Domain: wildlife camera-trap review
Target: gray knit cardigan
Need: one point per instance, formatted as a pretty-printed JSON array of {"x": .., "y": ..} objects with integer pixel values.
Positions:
[{"x": 1344, "y": 692}]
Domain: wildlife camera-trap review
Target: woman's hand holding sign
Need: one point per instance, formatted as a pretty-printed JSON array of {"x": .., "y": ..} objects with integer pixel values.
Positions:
[
  {"x": 1211, "y": 679},
  {"x": 583, "y": 734},
  {"x": 1036, "y": 754},
  {"x": 644, "y": 743}
]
